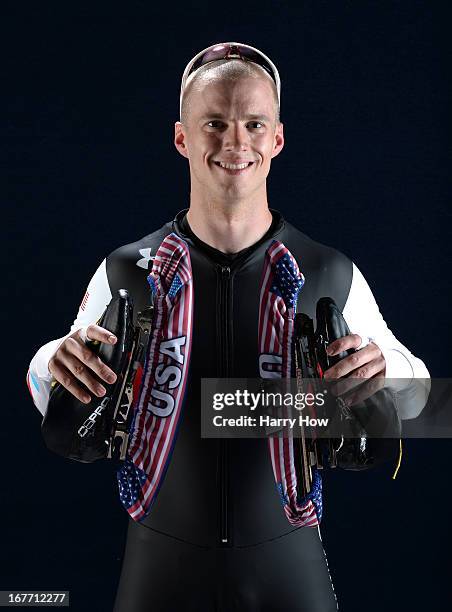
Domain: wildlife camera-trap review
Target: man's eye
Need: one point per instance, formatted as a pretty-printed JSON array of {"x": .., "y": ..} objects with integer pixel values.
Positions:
[
  {"x": 255, "y": 124},
  {"x": 214, "y": 123}
]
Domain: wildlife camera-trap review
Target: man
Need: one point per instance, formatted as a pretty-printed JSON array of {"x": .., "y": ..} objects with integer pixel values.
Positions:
[{"x": 216, "y": 537}]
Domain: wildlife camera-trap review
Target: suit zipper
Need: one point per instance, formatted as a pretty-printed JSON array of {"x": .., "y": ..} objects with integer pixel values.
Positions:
[{"x": 225, "y": 272}]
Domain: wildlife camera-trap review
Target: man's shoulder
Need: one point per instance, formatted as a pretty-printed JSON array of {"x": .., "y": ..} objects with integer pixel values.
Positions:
[
  {"x": 140, "y": 252},
  {"x": 315, "y": 253},
  {"x": 327, "y": 271},
  {"x": 128, "y": 265}
]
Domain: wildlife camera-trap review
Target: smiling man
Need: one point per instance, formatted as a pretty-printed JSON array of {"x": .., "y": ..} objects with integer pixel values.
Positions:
[
  {"x": 230, "y": 131},
  {"x": 208, "y": 528}
]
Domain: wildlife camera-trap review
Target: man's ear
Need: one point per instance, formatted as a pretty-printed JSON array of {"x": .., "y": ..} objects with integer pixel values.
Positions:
[
  {"x": 179, "y": 138},
  {"x": 279, "y": 140}
]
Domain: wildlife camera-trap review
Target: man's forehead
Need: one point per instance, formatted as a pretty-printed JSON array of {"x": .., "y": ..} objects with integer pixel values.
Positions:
[
  {"x": 242, "y": 88},
  {"x": 253, "y": 98},
  {"x": 243, "y": 116}
]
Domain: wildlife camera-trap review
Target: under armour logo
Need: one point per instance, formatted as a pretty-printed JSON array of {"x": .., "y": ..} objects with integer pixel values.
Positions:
[{"x": 144, "y": 261}]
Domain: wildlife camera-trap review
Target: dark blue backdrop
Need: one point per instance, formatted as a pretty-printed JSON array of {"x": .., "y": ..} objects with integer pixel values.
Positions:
[{"x": 92, "y": 95}]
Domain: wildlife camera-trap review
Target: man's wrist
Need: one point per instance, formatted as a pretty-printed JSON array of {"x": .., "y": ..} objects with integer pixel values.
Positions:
[{"x": 398, "y": 369}]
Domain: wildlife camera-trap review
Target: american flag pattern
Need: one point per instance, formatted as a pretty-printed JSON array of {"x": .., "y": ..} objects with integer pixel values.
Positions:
[
  {"x": 152, "y": 435},
  {"x": 280, "y": 285}
]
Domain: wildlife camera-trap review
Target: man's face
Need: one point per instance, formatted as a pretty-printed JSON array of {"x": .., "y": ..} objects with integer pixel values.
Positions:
[{"x": 230, "y": 122}]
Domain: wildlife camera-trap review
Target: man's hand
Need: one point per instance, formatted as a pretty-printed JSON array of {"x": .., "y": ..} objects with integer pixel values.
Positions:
[
  {"x": 74, "y": 361},
  {"x": 363, "y": 371}
]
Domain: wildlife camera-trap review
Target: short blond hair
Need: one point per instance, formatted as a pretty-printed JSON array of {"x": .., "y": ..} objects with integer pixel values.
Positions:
[{"x": 228, "y": 70}]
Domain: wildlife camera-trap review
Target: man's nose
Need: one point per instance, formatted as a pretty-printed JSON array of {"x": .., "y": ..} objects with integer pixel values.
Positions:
[{"x": 236, "y": 137}]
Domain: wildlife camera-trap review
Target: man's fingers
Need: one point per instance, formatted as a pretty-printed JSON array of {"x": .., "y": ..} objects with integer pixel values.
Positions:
[
  {"x": 96, "y": 332},
  {"x": 62, "y": 375},
  {"x": 348, "y": 364},
  {"x": 345, "y": 385},
  {"x": 354, "y": 363},
  {"x": 84, "y": 354},
  {"x": 372, "y": 368},
  {"x": 365, "y": 391},
  {"x": 81, "y": 373},
  {"x": 75, "y": 363},
  {"x": 344, "y": 344}
]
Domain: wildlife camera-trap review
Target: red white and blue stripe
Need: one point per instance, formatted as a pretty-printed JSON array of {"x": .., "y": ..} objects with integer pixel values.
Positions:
[
  {"x": 280, "y": 285},
  {"x": 153, "y": 436}
]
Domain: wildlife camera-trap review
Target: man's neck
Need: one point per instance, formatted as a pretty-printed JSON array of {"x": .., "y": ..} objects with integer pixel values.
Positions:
[{"x": 229, "y": 228}]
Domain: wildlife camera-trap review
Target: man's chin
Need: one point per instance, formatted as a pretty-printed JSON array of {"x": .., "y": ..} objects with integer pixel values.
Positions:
[
  {"x": 231, "y": 193},
  {"x": 234, "y": 184}
]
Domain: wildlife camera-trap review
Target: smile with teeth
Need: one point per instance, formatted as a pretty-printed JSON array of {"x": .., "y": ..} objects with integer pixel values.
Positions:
[{"x": 234, "y": 168}]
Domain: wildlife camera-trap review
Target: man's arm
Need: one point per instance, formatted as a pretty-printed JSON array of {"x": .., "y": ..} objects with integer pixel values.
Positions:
[
  {"x": 381, "y": 357},
  {"x": 94, "y": 302},
  {"x": 364, "y": 318}
]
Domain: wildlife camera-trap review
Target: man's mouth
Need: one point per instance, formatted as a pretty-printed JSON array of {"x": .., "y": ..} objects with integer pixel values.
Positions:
[{"x": 234, "y": 168}]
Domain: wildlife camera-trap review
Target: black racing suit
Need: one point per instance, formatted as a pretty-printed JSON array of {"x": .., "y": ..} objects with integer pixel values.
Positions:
[{"x": 217, "y": 537}]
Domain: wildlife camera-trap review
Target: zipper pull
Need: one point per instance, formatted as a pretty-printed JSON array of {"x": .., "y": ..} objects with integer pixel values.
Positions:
[{"x": 226, "y": 271}]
